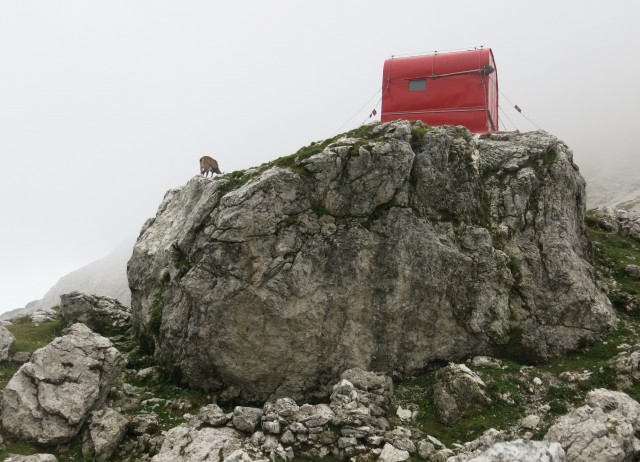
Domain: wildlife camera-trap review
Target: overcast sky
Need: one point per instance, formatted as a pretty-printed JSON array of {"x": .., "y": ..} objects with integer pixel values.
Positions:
[{"x": 104, "y": 105}]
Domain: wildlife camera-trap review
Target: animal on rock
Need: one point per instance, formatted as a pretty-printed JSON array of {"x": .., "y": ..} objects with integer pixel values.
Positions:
[{"x": 209, "y": 165}]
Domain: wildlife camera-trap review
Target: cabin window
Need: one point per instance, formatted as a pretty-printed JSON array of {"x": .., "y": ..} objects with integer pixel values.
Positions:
[{"x": 418, "y": 85}]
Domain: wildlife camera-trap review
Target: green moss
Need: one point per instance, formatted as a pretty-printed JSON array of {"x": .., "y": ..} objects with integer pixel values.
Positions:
[
  {"x": 234, "y": 180},
  {"x": 549, "y": 157},
  {"x": 165, "y": 278},
  {"x": 418, "y": 133},
  {"x": 363, "y": 131},
  {"x": 558, "y": 407},
  {"x": 319, "y": 210}
]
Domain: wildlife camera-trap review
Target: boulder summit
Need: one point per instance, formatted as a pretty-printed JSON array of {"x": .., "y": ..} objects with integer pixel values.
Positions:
[{"x": 390, "y": 248}]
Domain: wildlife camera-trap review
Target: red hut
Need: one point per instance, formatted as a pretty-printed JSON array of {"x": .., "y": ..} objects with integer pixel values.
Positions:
[{"x": 458, "y": 88}]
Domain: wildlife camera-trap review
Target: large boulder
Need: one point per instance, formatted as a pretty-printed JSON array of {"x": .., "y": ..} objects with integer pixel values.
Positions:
[
  {"x": 387, "y": 251},
  {"x": 49, "y": 399},
  {"x": 104, "y": 315},
  {"x": 604, "y": 429}
]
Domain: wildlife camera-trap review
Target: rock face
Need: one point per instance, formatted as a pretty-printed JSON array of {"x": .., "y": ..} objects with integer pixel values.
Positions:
[
  {"x": 602, "y": 430},
  {"x": 101, "y": 314},
  {"x": 386, "y": 251},
  {"x": 48, "y": 400}
]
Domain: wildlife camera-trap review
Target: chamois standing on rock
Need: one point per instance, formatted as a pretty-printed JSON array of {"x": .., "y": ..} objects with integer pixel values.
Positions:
[{"x": 209, "y": 165}]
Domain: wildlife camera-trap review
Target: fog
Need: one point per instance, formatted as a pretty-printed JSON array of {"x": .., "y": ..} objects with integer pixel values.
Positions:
[{"x": 106, "y": 105}]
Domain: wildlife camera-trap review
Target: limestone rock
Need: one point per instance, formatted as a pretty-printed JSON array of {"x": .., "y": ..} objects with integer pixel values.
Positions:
[
  {"x": 186, "y": 444},
  {"x": 475, "y": 447},
  {"x": 42, "y": 315},
  {"x": 385, "y": 252},
  {"x": 458, "y": 390},
  {"x": 49, "y": 399},
  {"x": 627, "y": 367},
  {"x": 633, "y": 271},
  {"x": 106, "y": 429},
  {"x": 312, "y": 416},
  {"x": 531, "y": 422},
  {"x": 6, "y": 343},
  {"x": 101, "y": 314},
  {"x": 602, "y": 430},
  {"x": 145, "y": 423},
  {"x": 32, "y": 458},
  {"x": 518, "y": 451},
  {"x": 246, "y": 419},
  {"x": 485, "y": 361},
  {"x": 426, "y": 449},
  {"x": 213, "y": 415},
  {"x": 393, "y": 454}
]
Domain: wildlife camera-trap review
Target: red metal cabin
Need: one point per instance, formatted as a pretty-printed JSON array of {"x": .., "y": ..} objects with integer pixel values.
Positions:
[{"x": 458, "y": 88}]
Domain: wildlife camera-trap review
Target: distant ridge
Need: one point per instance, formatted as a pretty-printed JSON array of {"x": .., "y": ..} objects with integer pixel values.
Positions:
[{"x": 107, "y": 276}]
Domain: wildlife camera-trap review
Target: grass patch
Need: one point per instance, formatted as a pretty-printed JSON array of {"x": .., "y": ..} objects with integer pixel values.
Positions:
[
  {"x": 15, "y": 446},
  {"x": 612, "y": 253},
  {"x": 7, "y": 370},
  {"x": 165, "y": 389},
  {"x": 499, "y": 415},
  {"x": 30, "y": 336}
]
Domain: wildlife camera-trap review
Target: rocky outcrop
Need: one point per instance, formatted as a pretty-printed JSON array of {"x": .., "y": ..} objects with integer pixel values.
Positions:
[
  {"x": 387, "y": 251},
  {"x": 6, "y": 343},
  {"x": 103, "y": 315},
  {"x": 602, "y": 430},
  {"x": 49, "y": 399}
]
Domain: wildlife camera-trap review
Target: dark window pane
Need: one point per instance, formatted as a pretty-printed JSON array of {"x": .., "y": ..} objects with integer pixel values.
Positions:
[{"x": 417, "y": 85}]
